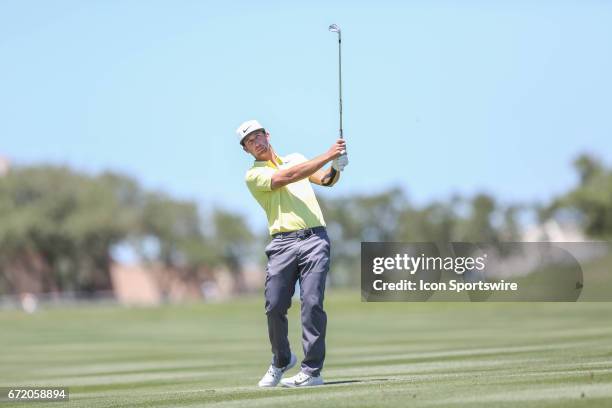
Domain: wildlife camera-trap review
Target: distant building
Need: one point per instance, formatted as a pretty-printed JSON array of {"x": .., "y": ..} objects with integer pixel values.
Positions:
[
  {"x": 553, "y": 231},
  {"x": 141, "y": 284},
  {"x": 134, "y": 284},
  {"x": 5, "y": 165}
]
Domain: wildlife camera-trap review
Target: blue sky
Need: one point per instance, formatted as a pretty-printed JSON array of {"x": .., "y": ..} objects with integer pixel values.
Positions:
[{"x": 440, "y": 96}]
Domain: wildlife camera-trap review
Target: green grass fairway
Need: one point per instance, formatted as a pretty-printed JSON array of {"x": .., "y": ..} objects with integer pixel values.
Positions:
[{"x": 385, "y": 354}]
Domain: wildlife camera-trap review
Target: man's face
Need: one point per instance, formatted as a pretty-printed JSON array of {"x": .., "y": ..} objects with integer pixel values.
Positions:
[{"x": 257, "y": 143}]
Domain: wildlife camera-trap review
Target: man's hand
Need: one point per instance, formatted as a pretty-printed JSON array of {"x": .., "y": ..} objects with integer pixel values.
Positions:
[
  {"x": 337, "y": 149},
  {"x": 341, "y": 162}
]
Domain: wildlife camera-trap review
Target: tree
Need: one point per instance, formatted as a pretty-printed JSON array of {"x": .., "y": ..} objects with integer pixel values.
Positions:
[
  {"x": 58, "y": 226},
  {"x": 478, "y": 226},
  {"x": 232, "y": 241},
  {"x": 591, "y": 200}
]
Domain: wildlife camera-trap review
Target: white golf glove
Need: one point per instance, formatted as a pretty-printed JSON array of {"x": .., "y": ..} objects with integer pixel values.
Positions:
[{"x": 340, "y": 163}]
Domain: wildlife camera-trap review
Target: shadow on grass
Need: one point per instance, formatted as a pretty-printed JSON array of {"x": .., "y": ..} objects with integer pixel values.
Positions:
[{"x": 355, "y": 381}]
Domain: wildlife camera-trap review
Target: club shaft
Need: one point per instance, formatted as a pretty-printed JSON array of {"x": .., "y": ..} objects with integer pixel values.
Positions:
[{"x": 340, "y": 80}]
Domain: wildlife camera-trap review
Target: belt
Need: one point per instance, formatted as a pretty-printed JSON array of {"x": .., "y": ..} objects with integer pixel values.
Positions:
[{"x": 303, "y": 233}]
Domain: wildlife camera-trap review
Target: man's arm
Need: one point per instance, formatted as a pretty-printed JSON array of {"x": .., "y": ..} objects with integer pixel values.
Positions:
[
  {"x": 325, "y": 178},
  {"x": 287, "y": 176}
]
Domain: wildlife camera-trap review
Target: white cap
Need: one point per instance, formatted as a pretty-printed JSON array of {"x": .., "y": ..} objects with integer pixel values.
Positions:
[{"x": 246, "y": 128}]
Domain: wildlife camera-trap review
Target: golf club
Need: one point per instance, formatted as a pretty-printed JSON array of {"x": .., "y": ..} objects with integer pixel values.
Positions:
[{"x": 335, "y": 29}]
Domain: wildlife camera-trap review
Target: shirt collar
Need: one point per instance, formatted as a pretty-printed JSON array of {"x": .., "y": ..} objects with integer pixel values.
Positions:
[{"x": 264, "y": 163}]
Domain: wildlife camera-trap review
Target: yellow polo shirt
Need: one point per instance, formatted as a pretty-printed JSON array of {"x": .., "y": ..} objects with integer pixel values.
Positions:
[{"x": 289, "y": 208}]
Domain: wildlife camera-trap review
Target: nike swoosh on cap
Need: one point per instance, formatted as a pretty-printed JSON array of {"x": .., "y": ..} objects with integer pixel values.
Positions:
[{"x": 245, "y": 130}]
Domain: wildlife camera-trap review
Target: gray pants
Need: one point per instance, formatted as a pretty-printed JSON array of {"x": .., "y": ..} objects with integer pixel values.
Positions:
[{"x": 303, "y": 256}]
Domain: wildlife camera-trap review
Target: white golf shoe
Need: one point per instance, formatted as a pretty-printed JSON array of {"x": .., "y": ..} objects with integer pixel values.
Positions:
[
  {"x": 302, "y": 380},
  {"x": 274, "y": 374}
]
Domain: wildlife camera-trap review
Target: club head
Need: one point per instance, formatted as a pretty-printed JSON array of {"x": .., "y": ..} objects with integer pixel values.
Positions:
[{"x": 334, "y": 28}]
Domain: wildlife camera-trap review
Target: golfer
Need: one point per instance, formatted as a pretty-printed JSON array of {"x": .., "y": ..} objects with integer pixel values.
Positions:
[{"x": 299, "y": 249}]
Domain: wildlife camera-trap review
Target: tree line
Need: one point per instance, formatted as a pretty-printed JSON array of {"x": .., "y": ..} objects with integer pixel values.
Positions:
[{"x": 58, "y": 226}]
